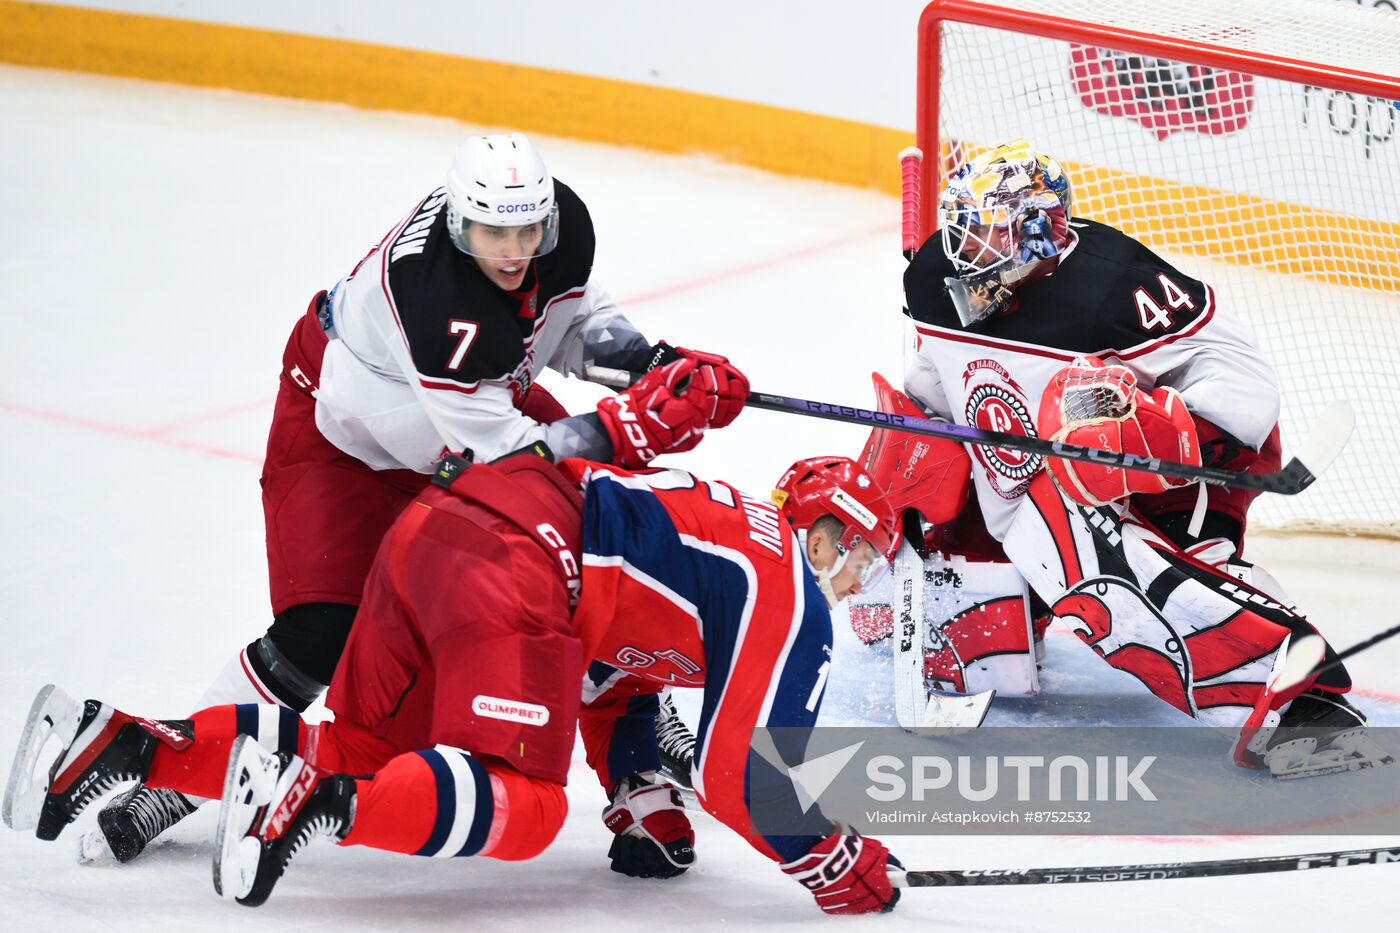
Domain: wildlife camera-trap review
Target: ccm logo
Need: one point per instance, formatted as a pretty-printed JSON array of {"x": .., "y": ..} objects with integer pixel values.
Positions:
[
  {"x": 510, "y": 710},
  {"x": 632, "y": 430},
  {"x": 515, "y": 208}
]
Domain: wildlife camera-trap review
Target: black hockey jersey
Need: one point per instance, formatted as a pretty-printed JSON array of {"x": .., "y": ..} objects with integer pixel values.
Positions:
[
  {"x": 427, "y": 354},
  {"x": 1110, "y": 297}
]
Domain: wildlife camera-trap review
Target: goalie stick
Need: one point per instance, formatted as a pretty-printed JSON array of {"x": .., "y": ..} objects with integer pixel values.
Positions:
[
  {"x": 1159, "y": 871},
  {"x": 914, "y": 706},
  {"x": 1322, "y": 445}
]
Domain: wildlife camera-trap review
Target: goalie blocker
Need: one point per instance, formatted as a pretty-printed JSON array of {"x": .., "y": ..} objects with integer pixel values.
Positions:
[{"x": 979, "y": 632}]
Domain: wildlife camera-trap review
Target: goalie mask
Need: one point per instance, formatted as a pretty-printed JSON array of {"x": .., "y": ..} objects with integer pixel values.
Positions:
[
  {"x": 837, "y": 487},
  {"x": 1004, "y": 218},
  {"x": 500, "y": 199}
]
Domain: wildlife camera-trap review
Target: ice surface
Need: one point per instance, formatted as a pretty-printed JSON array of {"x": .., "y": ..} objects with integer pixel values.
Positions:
[{"x": 156, "y": 244}]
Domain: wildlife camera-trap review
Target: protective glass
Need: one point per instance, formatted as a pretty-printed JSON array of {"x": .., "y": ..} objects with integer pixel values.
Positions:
[
  {"x": 861, "y": 558},
  {"x": 527, "y": 241}
]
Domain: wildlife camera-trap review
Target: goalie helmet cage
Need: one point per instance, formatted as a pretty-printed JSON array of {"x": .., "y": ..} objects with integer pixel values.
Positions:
[{"x": 1254, "y": 144}]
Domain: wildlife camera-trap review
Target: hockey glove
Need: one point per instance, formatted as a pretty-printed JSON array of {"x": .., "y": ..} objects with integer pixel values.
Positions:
[
  {"x": 716, "y": 376},
  {"x": 663, "y": 413},
  {"x": 1093, "y": 405},
  {"x": 848, "y": 874},
  {"x": 653, "y": 838}
]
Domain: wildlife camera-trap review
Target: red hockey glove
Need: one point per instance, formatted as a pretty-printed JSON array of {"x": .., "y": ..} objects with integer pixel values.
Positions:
[
  {"x": 716, "y": 377},
  {"x": 653, "y": 838},
  {"x": 726, "y": 389},
  {"x": 663, "y": 413},
  {"x": 1093, "y": 405},
  {"x": 847, "y": 874}
]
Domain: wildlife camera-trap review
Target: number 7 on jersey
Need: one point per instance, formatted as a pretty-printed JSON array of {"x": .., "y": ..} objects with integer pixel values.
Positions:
[{"x": 465, "y": 332}]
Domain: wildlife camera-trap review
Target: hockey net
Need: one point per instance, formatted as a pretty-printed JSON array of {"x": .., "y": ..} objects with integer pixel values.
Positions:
[{"x": 1254, "y": 144}]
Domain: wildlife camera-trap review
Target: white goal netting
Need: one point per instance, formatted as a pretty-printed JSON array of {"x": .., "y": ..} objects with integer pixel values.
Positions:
[{"x": 1264, "y": 158}]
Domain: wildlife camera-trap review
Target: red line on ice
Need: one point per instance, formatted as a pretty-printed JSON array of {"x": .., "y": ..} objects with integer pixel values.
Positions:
[{"x": 154, "y": 436}]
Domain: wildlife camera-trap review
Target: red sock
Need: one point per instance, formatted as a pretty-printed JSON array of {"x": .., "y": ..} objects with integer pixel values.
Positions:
[
  {"x": 447, "y": 803},
  {"x": 199, "y": 769}
]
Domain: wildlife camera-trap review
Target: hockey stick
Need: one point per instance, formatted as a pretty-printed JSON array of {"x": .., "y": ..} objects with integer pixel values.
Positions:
[
  {"x": 911, "y": 703},
  {"x": 1326, "y": 440},
  {"x": 1160, "y": 871}
]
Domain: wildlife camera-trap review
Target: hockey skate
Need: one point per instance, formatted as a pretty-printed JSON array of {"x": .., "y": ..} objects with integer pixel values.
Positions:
[
  {"x": 273, "y": 805},
  {"x": 134, "y": 817},
  {"x": 71, "y": 753},
  {"x": 1321, "y": 733},
  {"x": 675, "y": 743}
]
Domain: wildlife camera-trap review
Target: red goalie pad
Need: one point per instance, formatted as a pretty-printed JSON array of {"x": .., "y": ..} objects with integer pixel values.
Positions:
[{"x": 928, "y": 474}]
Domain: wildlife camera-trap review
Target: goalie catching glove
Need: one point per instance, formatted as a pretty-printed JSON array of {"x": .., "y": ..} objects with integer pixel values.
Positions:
[
  {"x": 848, "y": 874},
  {"x": 1093, "y": 405},
  {"x": 653, "y": 835}
]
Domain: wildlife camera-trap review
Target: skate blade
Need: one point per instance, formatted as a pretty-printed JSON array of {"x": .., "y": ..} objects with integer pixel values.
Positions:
[
  {"x": 248, "y": 787},
  {"x": 93, "y": 849},
  {"x": 1349, "y": 751},
  {"x": 48, "y": 733}
]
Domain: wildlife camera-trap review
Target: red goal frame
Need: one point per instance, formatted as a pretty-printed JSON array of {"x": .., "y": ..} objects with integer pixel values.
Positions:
[{"x": 1112, "y": 37}]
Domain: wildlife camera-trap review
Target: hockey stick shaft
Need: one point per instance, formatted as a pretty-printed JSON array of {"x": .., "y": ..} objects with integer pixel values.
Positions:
[
  {"x": 1360, "y": 647},
  {"x": 1308, "y": 661},
  {"x": 1289, "y": 481},
  {"x": 1161, "y": 871}
]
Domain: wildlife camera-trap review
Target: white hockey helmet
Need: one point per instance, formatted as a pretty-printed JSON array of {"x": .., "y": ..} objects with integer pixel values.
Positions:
[{"x": 499, "y": 185}]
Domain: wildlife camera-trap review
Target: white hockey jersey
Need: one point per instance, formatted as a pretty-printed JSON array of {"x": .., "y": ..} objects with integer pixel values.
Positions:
[
  {"x": 427, "y": 356},
  {"x": 1110, "y": 297}
]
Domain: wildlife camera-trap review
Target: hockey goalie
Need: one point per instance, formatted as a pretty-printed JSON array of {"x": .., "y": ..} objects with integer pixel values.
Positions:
[{"x": 1035, "y": 322}]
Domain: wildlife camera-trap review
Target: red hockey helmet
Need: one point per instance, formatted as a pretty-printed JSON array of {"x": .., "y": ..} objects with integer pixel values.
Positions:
[{"x": 839, "y": 487}]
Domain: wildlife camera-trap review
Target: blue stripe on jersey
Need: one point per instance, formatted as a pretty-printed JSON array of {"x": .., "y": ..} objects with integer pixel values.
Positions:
[
  {"x": 446, "y": 802},
  {"x": 797, "y": 682},
  {"x": 633, "y": 524},
  {"x": 483, "y": 812}
]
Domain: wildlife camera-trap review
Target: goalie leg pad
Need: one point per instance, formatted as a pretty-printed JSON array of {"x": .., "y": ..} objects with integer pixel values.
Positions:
[
  {"x": 978, "y": 634},
  {"x": 1201, "y": 640}
]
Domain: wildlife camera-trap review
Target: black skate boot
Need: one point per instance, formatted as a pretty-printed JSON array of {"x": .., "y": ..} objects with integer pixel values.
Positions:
[
  {"x": 134, "y": 817},
  {"x": 1321, "y": 733},
  {"x": 273, "y": 805},
  {"x": 675, "y": 743},
  {"x": 71, "y": 753}
]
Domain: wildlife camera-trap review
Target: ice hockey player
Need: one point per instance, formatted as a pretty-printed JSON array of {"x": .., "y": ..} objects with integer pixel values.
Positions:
[
  {"x": 458, "y": 693},
  {"x": 430, "y": 345},
  {"x": 1033, "y": 321}
]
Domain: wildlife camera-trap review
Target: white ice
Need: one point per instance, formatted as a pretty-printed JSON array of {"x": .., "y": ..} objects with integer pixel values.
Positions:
[{"x": 156, "y": 244}]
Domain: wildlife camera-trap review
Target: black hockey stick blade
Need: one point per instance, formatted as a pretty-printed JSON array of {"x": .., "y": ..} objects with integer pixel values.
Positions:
[
  {"x": 1161, "y": 871},
  {"x": 1327, "y": 439}
]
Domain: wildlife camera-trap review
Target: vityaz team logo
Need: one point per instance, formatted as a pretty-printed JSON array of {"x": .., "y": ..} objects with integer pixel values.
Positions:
[
  {"x": 999, "y": 404},
  {"x": 1164, "y": 96}
]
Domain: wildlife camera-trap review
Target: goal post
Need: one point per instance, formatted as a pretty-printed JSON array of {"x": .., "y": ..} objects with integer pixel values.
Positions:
[{"x": 1255, "y": 144}]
